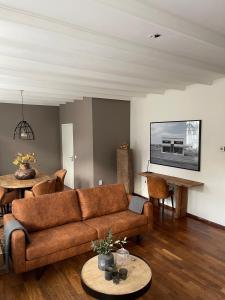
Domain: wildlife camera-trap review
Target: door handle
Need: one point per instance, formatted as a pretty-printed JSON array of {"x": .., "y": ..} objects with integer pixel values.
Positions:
[{"x": 71, "y": 157}]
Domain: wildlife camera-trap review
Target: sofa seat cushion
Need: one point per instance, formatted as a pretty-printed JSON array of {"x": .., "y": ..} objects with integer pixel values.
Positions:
[
  {"x": 103, "y": 200},
  {"x": 46, "y": 211},
  {"x": 59, "y": 238},
  {"x": 117, "y": 222}
]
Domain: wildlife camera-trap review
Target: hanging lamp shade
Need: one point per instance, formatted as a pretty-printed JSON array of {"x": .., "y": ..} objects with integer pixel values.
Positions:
[{"x": 23, "y": 129}]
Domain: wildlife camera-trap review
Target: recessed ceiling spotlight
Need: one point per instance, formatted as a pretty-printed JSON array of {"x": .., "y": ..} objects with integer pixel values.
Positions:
[{"x": 154, "y": 36}]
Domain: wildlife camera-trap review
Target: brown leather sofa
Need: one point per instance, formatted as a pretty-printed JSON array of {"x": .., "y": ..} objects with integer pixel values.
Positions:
[{"x": 62, "y": 225}]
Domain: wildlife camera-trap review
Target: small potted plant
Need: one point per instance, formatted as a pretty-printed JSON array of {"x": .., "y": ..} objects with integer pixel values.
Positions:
[
  {"x": 104, "y": 249},
  {"x": 23, "y": 161}
]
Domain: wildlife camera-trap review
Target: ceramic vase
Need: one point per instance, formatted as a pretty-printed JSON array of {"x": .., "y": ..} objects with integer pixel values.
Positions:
[{"x": 25, "y": 172}]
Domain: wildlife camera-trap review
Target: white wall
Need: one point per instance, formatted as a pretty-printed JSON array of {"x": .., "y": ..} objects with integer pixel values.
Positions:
[{"x": 206, "y": 103}]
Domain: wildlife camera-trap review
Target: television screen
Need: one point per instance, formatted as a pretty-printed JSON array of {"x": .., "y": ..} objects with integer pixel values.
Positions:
[{"x": 176, "y": 144}]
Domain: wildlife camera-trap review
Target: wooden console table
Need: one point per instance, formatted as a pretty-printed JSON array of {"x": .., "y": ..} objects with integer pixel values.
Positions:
[{"x": 181, "y": 193}]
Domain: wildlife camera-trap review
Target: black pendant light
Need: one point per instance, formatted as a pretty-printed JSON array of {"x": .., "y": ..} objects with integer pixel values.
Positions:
[{"x": 23, "y": 129}]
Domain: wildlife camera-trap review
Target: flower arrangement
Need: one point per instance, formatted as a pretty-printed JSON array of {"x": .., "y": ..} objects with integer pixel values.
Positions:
[
  {"x": 26, "y": 158},
  {"x": 106, "y": 245}
]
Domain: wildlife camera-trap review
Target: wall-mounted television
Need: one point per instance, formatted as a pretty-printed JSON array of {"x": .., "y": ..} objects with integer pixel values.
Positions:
[{"x": 176, "y": 144}]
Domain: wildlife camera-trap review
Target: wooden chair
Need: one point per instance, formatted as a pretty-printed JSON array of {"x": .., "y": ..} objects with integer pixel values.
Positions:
[
  {"x": 159, "y": 189},
  {"x": 41, "y": 188},
  {"x": 6, "y": 198},
  {"x": 60, "y": 176}
]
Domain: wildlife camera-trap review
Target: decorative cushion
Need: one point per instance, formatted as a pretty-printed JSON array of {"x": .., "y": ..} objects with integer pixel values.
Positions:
[
  {"x": 104, "y": 200},
  {"x": 46, "y": 211}
]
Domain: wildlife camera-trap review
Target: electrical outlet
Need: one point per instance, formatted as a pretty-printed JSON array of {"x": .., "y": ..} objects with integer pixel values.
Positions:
[
  {"x": 222, "y": 148},
  {"x": 100, "y": 182}
]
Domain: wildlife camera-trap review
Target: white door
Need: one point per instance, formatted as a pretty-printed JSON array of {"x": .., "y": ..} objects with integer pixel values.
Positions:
[{"x": 68, "y": 154}]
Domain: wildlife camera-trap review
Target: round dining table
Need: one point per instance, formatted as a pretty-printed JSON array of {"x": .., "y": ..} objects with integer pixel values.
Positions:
[{"x": 10, "y": 182}]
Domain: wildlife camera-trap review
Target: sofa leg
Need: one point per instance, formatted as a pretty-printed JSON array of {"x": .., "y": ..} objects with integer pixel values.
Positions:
[
  {"x": 138, "y": 239},
  {"x": 40, "y": 272}
]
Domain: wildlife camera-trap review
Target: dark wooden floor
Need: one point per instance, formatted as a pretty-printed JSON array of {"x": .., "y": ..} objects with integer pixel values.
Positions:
[{"x": 187, "y": 259}]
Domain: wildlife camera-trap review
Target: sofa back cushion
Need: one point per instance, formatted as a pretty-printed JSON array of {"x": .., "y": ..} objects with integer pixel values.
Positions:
[
  {"x": 104, "y": 200},
  {"x": 46, "y": 211}
]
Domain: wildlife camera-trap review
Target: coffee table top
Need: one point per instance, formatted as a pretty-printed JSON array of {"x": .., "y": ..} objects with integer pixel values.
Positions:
[{"x": 137, "y": 283}]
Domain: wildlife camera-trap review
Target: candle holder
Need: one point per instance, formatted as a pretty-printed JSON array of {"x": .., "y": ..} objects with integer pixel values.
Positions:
[
  {"x": 108, "y": 273},
  {"x": 123, "y": 273},
  {"x": 122, "y": 257},
  {"x": 116, "y": 277}
]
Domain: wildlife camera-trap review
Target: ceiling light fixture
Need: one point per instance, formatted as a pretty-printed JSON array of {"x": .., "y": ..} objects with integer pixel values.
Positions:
[
  {"x": 154, "y": 36},
  {"x": 23, "y": 129}
]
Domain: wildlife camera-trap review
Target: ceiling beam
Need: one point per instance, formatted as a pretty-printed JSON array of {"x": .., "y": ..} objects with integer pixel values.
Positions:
[
  {"x": 79, "y": 78},
  {"x": 45, "y": 81},
  {"x": 38, "y": 93},
  {"x": 30, "y": 97},
  {"x": 55, "y": 87},
  {"x": 67, "y": 29},
  {"x": 145, "y": 10},
  {"x": 78, "y": 63},
  {"x": 33, "y": 100}
]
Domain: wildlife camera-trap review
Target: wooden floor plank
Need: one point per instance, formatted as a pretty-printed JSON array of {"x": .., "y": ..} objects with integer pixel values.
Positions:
[{"x": 187, "y": 258}]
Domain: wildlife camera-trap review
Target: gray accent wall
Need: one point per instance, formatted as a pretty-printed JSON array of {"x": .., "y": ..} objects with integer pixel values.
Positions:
[
  {"x": 111, "y": 128},
  {"x": 80, "y": 114},
  {"x": 100, "y": 126},
  {"x": 45, "y": 123}
]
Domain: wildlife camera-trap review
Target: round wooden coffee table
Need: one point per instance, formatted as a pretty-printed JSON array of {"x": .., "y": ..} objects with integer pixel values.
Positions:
[{"x": 137, "y": 283}]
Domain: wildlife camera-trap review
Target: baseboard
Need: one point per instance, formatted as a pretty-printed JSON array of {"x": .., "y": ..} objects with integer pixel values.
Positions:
[{"x": 213, "y": 224}]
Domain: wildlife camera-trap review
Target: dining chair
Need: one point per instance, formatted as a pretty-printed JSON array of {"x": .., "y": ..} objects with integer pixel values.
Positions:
[
  {"x": 60, "y": 176},
  {"x": 159, "y": 189},
  {"x": 6, "y": 199},
  {"x": 41, "y": 188}
]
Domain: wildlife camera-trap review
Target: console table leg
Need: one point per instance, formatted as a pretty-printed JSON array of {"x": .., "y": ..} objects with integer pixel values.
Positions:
[{"x": 181, "y": 201}]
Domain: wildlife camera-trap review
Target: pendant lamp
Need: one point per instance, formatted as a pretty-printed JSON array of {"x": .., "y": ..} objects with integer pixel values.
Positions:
[{"x": 23, "y": 129}]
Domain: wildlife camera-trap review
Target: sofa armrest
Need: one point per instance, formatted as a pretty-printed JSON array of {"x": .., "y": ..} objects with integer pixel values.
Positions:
[
  {"x": 129, "y": 197},
  {"x": 18, "y": 247},
  {"x": 147, "y": 211}
]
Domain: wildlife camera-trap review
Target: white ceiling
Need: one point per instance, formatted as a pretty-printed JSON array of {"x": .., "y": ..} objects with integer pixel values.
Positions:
[{"x": 58, "y": 51}]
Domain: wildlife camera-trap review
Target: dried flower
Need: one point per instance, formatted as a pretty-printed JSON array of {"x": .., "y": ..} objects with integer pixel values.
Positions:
[
  {"x": 22, "y": 158},
  {"x": 121, "y": 243}
]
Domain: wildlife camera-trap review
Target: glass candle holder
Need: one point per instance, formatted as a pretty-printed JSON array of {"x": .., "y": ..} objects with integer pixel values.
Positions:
[{"x": 122, "y": 257}]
